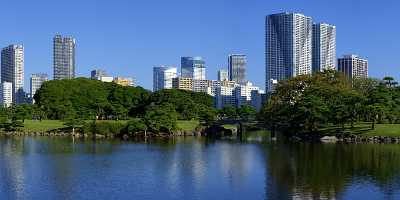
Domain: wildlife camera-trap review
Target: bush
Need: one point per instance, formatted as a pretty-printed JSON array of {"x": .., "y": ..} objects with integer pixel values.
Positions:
[{"x": 106, "y": 128}]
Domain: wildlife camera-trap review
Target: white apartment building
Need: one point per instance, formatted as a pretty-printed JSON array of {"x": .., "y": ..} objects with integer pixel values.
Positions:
[
  {"x": 324, "y": 47},
  {"x": 36, "y": 82},
  {"x": 288, "y": 47},
  {"x": 6, "y": 94},
  {"x": 12, "y": 70}
]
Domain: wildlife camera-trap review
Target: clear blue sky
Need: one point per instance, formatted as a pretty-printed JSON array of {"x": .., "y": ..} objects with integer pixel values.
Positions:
[{"x": 129, "y": 37}]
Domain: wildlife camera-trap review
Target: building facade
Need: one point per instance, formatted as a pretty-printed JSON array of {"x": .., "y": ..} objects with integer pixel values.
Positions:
[
  {"x": 6, "y": 94},
  {"x": 324, "y": 47},
  {"x": 123, "y": 81},
  {"x": 181, "y": 83},
  {"x": 202, "y": 86},
  {"x": 223, "y": 75},
  {"x": 12, "y": 71},
  {"x": 288, "y": 47},
  {"x": 36, "y": 82},
  {"x": 353, "y": 66},
  {"x": 193, "y": 67},
  {"x": 237, "y": 68},
  {"x": 237, "y": 95},
  {"x": 162, "y": 77},
  {"x": 63, "y": 57},
  {"x": 96, "y": 74}
]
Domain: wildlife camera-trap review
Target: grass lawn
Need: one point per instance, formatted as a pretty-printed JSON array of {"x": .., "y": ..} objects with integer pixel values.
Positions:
[
  {"x": 384, "y": 130},
  {"x": 230, "y": 126},
  {"x": 41, "y": 126},
  {"x": 364, "y": 128},
  {"x": 187, "y": 125}
]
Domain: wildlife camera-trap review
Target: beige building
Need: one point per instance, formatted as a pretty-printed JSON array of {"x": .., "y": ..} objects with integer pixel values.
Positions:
[
  {"x": 182, "y": 83},
  {"x": 124, "y": 81}
]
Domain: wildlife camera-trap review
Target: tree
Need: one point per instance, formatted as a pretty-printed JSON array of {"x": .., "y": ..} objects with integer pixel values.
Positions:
[
  {"x": 228, "y": 112},
  {"x": 161, "y": 118},
  {"x": 246, "y": 112},
  {"x": 136, "y": 126}
]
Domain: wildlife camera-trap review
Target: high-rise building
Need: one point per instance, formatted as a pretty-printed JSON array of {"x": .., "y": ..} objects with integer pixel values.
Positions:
[
  {"x": 353, "y": 66},
  {"x": 6, "y": 94},
  {"x": 324, "y": 47},
  {"x": 36, "y": 82},
  {"x": 162, "y": 77},
  {"x": 63, "y": 57},
  {"x": 96, "y": 74},
  {"x": 193, "y": 67},
  {"x": 288, "y": 48},
  {"x": 223, "y": 75},
  {"x": 12, "y": 70},
  {"x": 237, "y": 68}
]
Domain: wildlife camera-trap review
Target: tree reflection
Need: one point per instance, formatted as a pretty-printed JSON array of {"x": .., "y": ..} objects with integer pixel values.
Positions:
[{"x": 325, "y": 170}]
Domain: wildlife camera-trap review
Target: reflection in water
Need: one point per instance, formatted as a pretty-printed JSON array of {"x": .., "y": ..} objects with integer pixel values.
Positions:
[
  {"x": 332, "y": 171},
  {"x": 195, "y": 168}
]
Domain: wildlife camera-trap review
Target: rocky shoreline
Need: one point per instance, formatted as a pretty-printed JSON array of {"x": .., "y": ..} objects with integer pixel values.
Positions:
[
  {"x": 348, "y": 139},
  {"x": 98, "y": 136}
]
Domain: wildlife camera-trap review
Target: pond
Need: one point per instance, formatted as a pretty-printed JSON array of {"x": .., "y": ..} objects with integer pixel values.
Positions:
[{"x": 195, "y": 168}]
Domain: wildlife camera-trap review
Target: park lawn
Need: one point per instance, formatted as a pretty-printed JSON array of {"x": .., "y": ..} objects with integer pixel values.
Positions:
[
  {"x": 230, "y": 126},
  {"x": 42, "y": 126},
  {"x": 384, "y": 130},
  {"x": 364, "y": 128},
  {"x": 187, "y": 125}
]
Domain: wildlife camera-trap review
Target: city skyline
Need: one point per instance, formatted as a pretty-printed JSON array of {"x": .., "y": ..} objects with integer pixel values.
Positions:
[{"x": 98, "y": 41}]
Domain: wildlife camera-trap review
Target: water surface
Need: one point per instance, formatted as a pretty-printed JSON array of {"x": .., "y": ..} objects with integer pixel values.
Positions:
[{"x": 195, "y": 168}]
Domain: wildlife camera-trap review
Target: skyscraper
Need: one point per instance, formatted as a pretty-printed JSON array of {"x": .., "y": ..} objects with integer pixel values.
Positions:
[
  {"x": 353, "y": 66},
  {"x": 193, "y": 67},
  {"x": 63, "y": 57},
  {"x": 237, "y": 68},
  {"x": 162, "y": 77},
  {"x": 223, "y": 75},
  {"x": 288, "y": 47},
  {"x": 36, "y": 82},
  {"x": 12, "y": 70},
  {"x": 324, "y": 47}
]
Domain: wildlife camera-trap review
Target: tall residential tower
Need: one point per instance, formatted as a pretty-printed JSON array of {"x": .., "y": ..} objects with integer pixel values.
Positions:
[
  {"x": 63, "y": 57},
  {"x": 288, "y": 47},
  {"x": 324, "y": 47},
  {"x": 12, "y": 71},
  {"x": 237, "y": 68}
]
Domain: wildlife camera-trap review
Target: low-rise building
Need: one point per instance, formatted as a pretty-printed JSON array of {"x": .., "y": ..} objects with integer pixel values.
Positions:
[
  {"x": 202, "y": 85},
  {"x": 124, "y": 81},
  {"x": 182, "y": 83},
  {"x": 6, "y": 94}
]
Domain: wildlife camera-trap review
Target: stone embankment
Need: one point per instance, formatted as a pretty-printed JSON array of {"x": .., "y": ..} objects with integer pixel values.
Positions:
[
  {"x": 53, "y": 134},
  {"x": 347, "y": 139}
]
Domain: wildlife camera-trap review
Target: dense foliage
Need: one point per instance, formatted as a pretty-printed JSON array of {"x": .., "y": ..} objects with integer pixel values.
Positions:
[
  {"x": 89, "y": 99},
  {"x": 310, "y": 103}
]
